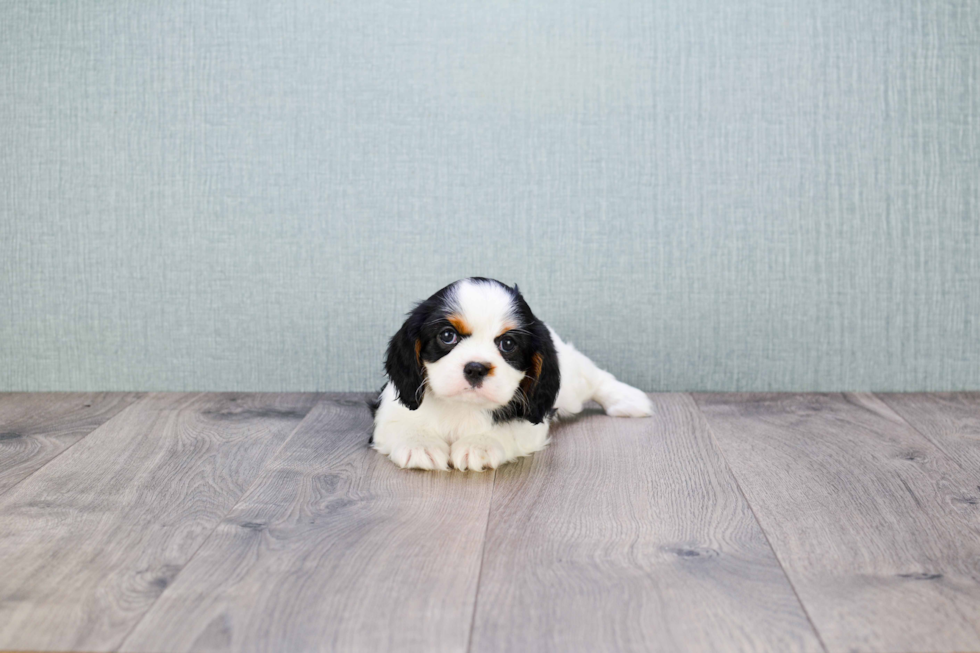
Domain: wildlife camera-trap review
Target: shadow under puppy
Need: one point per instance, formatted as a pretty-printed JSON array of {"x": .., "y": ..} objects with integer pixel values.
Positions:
[{"x": 475, "y": 379}]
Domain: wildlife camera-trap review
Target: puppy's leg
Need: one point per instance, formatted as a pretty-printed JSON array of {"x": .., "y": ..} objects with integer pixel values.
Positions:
[
  {"x": 402, "y": 435},
  {"x": 621, "y": 400},
  {"x": 503, "y": 443},
  {"x": 582, "y": 380}
]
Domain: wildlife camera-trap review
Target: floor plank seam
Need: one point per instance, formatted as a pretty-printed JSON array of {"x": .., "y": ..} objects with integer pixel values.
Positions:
[
  {"x": 923, "y": 434},
  {"x": 479, "y": 573},
  {"x": 218, "y": 523},
  {"x": 738, "y": 486},
  {"x": 72, "y": 445}
]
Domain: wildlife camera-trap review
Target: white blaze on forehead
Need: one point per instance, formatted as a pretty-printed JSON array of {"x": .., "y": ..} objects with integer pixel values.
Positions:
[{"x": 487, "y": 308}]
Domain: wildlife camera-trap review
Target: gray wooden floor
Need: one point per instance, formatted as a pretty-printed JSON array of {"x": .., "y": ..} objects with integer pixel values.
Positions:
[{"x": 213, "y": 522}]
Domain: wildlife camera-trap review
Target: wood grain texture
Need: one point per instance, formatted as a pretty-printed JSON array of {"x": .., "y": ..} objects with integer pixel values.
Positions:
[
  {"x": 334, "y": 549},
  {"x": 951, "y": 421},
  {"x": 631, "y": 535},
  {"x": 35, "y": 428},
  {"x": 90, "y": 541},
  {"x": 863, "y": 513}
]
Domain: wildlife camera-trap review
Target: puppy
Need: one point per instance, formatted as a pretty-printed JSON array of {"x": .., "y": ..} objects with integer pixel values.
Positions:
[{"x": 475, "y": 379}]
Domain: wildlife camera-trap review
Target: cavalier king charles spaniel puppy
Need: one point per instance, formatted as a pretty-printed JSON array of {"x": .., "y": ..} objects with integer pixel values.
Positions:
[{"x": 474, "y": 379}]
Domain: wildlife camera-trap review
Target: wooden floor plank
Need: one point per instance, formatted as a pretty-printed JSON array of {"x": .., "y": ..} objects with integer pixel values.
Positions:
[
  {"x": 631, "y": 535},
  {"x": 863, "y": 514},
  {"x": 334, "y": 549},
  {"x": 90, "y": 541},
  {"x": 951, "y": 421},
  {"x": 36, "y": 427}
]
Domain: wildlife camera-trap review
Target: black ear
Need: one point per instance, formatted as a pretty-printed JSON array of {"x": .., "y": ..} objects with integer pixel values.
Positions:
[
  {"x": 403, "y": 363},
  {"x": 543, "y": 380}
]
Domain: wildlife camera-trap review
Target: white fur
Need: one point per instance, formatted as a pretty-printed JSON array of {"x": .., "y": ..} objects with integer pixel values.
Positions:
[{"x": 454, "y": 424}]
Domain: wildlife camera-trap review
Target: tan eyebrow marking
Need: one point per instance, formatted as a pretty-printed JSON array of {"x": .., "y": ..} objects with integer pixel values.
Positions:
[
  {"x": 507, "y": 327},
  {"x": 459, "y": 324}
]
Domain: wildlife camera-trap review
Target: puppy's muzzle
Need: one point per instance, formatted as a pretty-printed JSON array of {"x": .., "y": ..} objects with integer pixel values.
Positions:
[{"x": 475, "y": 373}]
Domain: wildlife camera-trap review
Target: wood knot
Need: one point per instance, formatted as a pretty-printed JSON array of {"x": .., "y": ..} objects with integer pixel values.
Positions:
[
  {"x": 920, "y": 575},
  {"x": 693, "y": 553}
]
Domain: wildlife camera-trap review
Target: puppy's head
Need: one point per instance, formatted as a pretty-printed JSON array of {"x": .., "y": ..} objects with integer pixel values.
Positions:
[{"x": 476, "y": 342}]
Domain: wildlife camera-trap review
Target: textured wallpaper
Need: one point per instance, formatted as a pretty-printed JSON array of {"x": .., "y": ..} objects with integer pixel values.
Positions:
[{"x": 700, "y": 194}]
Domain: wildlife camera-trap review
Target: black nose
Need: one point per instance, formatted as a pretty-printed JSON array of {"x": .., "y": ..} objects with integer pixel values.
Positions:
[{"x": 474, "y": 372}]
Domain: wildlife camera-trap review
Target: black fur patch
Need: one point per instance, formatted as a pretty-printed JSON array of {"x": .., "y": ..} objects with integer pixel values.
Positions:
[
  {"x": 535, "y": 356},
  {"x": 415, "y": 342},
  {"x": 374, "y": 403}
]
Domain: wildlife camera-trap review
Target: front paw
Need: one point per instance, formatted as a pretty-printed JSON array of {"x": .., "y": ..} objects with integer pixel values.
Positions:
[
  {"x": 422, "y": 454},
  {"x": 627, "y": 401},
  {"x": 477, "y": 455}
]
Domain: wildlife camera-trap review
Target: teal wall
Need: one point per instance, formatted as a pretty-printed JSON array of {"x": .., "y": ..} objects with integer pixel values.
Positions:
[{"x": 701, "y": 194}]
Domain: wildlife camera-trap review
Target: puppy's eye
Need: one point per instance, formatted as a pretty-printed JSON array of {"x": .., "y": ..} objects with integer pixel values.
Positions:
[
  {"x": 507, "y": 344},
  {"x": 447, "y": 336}
]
